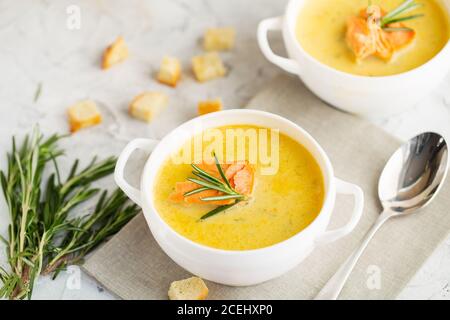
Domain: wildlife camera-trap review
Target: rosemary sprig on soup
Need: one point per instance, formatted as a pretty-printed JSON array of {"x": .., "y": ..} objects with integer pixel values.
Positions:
[
  {"x": 216, "y": 186},
  {"x": 378, "y": 38}
]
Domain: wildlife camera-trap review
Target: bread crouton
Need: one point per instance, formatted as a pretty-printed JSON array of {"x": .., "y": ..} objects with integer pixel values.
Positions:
[
  {"x": 219, "y": 39},
  {"x": 188, "y": 289},
  {"x": 148, "y": 105},
  {"x": 209, "y": 106},
  {"x": 170, "y": 71},
  {"x": 83, "y": 114},
  {"x": 208, "y": 66},
  {"x": 115, "y": 53}
]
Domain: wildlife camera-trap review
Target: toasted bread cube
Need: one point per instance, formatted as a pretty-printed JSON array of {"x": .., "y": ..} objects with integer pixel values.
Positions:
[
  {"x": 209, "y": 106},
  {"x": 148, "y": 105},
  {"x": 219, "y": 39},
  {"x": 208, "y": 66},
  {"x": 115, "y": 53},
  {"x": 170, "y": 71},
  {"x": 188, "y": 289},
  {"x": 83, "y": 114}
]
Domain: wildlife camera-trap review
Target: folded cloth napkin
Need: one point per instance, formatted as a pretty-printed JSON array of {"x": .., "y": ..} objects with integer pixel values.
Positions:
[{"x": 132, "y": 265}]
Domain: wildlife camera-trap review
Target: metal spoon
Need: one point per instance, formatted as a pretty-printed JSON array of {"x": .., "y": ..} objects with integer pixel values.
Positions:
[{"x": 410, "y": 180}]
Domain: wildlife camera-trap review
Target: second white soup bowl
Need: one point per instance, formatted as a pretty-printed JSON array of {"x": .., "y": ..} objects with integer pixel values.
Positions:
[
  {"x": 236, "y": 268},
  {"x": 372, "y": 97}
]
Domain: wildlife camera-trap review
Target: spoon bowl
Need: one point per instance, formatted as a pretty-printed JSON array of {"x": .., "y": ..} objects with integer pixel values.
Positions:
[{"x": 414, "y": 173}]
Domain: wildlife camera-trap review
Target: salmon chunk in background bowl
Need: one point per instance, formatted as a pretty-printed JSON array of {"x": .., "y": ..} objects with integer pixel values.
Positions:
[
  {"x": 233, "y": 221},
  {"x": 372, "y": 60}
]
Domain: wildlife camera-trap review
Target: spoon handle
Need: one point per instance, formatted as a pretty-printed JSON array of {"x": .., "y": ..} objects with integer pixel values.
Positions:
[{"x": 334, "y": 286}]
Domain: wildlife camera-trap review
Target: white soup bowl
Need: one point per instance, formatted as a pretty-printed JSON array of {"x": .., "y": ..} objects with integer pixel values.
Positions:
[{"x": 236, "y": 268}]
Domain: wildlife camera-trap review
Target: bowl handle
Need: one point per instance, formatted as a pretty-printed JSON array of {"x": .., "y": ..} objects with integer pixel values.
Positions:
[
  {"x": 143, "y": 144},
  {"x": 264, "y": 26},
  {"x": 343, "y": 187}
]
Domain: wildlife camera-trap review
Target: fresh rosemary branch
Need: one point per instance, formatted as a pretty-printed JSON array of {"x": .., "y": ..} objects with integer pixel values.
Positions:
[
  {"x": 40, "y": 228},
  {"x": 21, "y": 188},
  {"x": 405, "y": 7},
  {"x": 209, "y": 182},
  {"x": 109, "y": 216}
]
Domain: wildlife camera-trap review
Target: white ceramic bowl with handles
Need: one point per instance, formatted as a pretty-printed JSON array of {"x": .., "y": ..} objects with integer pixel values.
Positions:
[
  {"x": 236, "y": 268},
  {"x": 367, "y": 96}
]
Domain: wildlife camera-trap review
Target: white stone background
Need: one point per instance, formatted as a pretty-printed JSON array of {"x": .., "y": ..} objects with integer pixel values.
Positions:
[{"x": 36, "y": 47}]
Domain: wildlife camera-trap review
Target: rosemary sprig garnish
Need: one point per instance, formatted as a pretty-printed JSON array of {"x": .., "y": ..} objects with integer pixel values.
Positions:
[
  {"x": 208, "y": 182},
  {"x": 40, "y": 228},
  {"x": 405, "y": 7}
]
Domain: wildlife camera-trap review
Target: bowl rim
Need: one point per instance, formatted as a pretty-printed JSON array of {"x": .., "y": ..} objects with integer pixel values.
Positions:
[
  {"x": 328, "y": 202},
  {"x": 291, "y": 13}
]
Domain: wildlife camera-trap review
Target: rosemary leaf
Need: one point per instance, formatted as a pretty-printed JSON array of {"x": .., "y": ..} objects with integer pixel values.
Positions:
[
  {"x": 222, "y": 174},
  {"x": 3, "y": 239},
  {"x": 225, "y": 197},
  {"x": 198, "y": 190},
  {"x": 218, "y": 210}
]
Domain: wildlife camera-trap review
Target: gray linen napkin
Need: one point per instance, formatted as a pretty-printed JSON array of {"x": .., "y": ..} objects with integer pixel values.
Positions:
[{"x": 132, "y": 265}]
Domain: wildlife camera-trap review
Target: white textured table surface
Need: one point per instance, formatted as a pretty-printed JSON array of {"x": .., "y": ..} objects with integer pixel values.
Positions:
[{"x": 37, "y": 48}]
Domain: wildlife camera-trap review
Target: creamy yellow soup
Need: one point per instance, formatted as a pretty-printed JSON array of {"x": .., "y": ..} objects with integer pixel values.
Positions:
[
  {"x": 321, "y": 28},
  {"x": 281, "y": 204}
]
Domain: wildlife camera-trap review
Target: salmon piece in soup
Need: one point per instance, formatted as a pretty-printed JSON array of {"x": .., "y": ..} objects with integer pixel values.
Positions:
[
  {"x": 365, "y": 36},
  {"x": 243, "y": 180}
]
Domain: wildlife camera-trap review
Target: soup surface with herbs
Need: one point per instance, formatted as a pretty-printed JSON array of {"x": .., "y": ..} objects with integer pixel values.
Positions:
[
  {"x": 355, "y": 37},
  {"x": 272, "y": 195}
]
